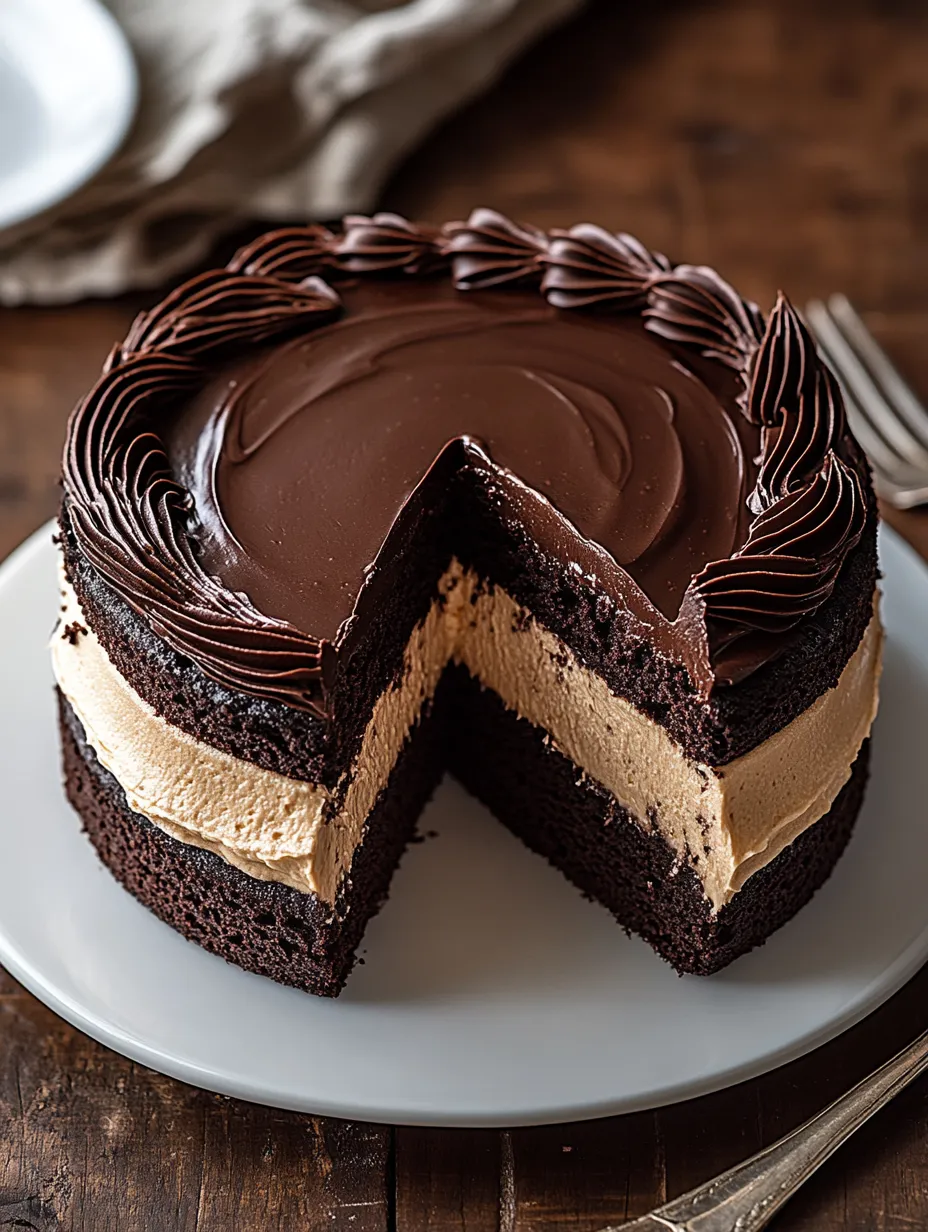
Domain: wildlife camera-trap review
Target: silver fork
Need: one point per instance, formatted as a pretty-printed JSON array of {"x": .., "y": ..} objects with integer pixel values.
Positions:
[
  {"x": 888, "y": 420},
  {"x": 747, "y": 1197}
]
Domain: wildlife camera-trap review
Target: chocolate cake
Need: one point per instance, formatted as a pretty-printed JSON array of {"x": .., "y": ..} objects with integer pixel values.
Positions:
[{"x": 542, "y": 509}]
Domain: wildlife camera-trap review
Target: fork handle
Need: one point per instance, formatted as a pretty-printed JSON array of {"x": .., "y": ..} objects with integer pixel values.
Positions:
[{"x": 746, "y": 1197}]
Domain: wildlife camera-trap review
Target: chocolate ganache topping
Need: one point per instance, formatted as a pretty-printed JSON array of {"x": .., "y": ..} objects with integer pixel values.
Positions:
[
  {"x": 492, "y": 251},
  {"x": 588, "y": 267},
  {"x": 252, "y": 446}
]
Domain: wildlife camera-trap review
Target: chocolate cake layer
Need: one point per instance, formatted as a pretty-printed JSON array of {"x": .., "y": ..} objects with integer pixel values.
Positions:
[
  {"x": 507, "y": 763},
  {"x": 298, "y": 744},
  {"x": 304, "y": 834},
  {"x": 297, "y": 939},
  {"x": 262, "y": 926}
]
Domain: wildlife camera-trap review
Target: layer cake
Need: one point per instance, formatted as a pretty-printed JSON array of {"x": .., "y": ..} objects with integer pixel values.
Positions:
[{"x": 545, "y": 510}]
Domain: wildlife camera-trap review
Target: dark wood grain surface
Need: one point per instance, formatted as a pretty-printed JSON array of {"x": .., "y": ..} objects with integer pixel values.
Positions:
[{"x": 786, "y": 143}]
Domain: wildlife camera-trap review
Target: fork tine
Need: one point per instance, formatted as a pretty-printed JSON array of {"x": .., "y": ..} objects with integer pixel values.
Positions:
[
  {"x": 881, "y": 457},
  {"x": 862, "y": 389},
  {"x": 898, "y": 393},
  {"x": 891, "y": 475},
  {"x": 899, "y": 483},
  {"x": 903, "y": 498}
]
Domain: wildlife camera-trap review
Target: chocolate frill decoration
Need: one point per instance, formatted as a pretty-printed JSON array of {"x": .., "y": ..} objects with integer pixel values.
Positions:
[
  {"x": 692, "y": 305},
  {"x": 786, "y": 368},
  {"x": 133, "y": 520},
  {"x": 290, "y": 254},
  {"x": 797, "y": 399},
  {"x": 387, "y": 243},
  {"x": 689, "y": 304},
  {"x": 587, "y": 266},
  {"x": 790, "y": 563},
  {"x": 490, "y": 250},
  {"x": 218, "y": 309},
  {"x": 809, "y": 504}
]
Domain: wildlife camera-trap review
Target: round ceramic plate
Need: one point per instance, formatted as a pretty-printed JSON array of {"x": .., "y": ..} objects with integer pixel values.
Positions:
[
  {"x": 491, "y": 992},
  {"x": 67, "y": 94}
]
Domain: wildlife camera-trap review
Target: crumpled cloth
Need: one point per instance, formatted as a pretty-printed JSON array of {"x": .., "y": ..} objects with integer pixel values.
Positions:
[{"x": 272, "y": 109}]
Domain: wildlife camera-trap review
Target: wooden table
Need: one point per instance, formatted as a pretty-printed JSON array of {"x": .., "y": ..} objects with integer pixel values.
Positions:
[{"x": 786, "y": 143}]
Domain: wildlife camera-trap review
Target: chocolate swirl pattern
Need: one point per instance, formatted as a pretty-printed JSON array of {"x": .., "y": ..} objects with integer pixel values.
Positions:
[
  {"x": 291, "y": 254},
  {"x": 150, "y": 559},
  {"x": 387, "y": 243},
  {"x": 103, "y": 422},
  {"x": 809, "y": 504},
  {"x": 132, "y": 518},
  {"x": 134, "y": 522},
  {"x": 692, "y": 305},
  {"x": 792, "y": 557},
  {"x": 587, "y": 266},
  {"x": 490, "y": 250},
  {"x": 218, "y": 309},
  {"x": 793, "y": 449},
  {"x": 796, "y": 399},
  {"x": 787, "y": 366}
]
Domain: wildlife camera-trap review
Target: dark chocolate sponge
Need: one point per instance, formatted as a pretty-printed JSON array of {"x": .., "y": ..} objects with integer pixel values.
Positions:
[
  {"x": 299, "y": 940},
  {"x": 298, "y": 744},
  {"x": 263, "y": 926},
  {"x": 584, "y": 832}
]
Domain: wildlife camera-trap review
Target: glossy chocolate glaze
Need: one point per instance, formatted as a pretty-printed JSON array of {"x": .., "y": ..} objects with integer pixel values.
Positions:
[
  {"x": 299, "y": 458},
  {"x": 630, "y": 461}
]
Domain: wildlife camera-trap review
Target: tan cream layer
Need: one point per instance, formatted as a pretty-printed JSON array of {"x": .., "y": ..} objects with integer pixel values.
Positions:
[
  {"x": 733, "y": 819},
  {"x": 729, "y": 821},
  {"x": 270, "y": 826}
]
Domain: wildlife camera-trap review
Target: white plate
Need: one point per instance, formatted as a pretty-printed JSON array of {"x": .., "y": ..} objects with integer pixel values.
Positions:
[
  {"x": 67, "y": 94},
  {"x": 492, "y": 993}
]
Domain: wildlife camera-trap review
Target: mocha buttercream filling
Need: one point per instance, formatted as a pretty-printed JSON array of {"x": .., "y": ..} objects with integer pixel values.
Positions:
[{"x": 726, "y": 822}]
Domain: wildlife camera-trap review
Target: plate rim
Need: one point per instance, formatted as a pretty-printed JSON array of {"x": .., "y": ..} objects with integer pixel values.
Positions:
[
  {"x": 127, "y": 1044},
  {"x": 123, "y": 73}
]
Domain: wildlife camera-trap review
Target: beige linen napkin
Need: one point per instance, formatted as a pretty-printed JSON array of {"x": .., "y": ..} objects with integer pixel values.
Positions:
[{"x": 260, "y": 108}]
